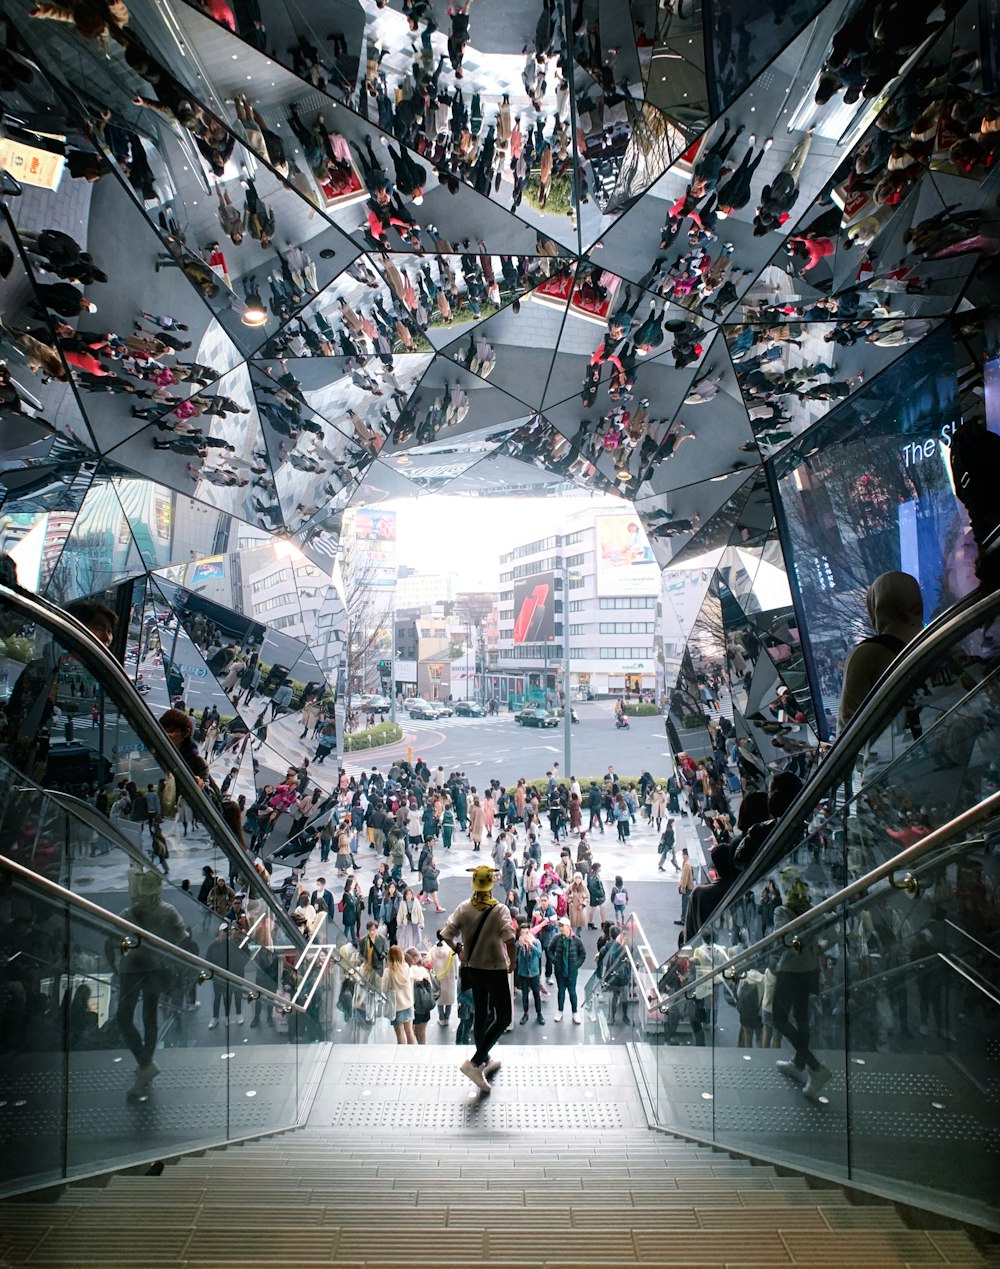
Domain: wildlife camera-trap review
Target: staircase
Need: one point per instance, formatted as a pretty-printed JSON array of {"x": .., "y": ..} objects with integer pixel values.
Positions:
[{"x": 402, "y": 1162}]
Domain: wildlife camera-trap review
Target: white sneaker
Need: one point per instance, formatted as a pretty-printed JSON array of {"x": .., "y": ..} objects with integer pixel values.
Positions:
[
  {"x": 213, "y": 1024},
  {"x": 475, "y": 1073},
  {"x": 817, "y": 1079},
  {"x": 557, "y": 1017},
  {"x": 791, "y": 1070},
  {"x": 239, "y": 1021},
  {"x": 494, "y": 1064},
  {"x": 577, "y": 1019}
]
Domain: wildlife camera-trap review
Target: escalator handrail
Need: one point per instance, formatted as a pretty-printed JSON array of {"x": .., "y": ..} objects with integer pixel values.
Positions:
[
  {"x": 141, "y": 937},
  {"x": 793, "y": 929},
  {"x": 83, "y": 811},
  {"x": 116, "y": 683},
  {"x": 879, "y": 707}
]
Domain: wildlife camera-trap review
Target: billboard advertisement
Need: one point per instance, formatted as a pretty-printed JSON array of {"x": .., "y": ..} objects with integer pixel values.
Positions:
[
  {"x": 535, "y": 609},
  {"x": 625, "y": 562},
  {"x": 208, "y": 570},
  {"x": 375, "y": 547}
]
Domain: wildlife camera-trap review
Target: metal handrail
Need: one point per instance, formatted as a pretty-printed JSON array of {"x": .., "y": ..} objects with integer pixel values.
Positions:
[
  {"x": 324, "y": 965},
  {"x": 349, "y": 971},
  {"x": 880, "y": 707},
  {"x": 972, "y": 939},
  {"x": 115, "y": 682},
  {"x": 137, "y": 936},
  {"x": 788, "y": 935}
]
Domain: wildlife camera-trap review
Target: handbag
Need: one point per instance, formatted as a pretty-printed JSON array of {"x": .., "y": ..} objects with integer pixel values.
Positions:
[{"x": 464, "y": 976}]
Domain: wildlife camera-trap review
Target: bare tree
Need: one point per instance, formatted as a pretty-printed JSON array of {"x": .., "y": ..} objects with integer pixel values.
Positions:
[
  {"x": 473, "y": 609},
  {"x": 369, "y": 612}
]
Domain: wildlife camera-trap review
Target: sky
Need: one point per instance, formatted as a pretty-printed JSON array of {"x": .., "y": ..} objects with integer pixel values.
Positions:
[{"x": 438, "y": 533}]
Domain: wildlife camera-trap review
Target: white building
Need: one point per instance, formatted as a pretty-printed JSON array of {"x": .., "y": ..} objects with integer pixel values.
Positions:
[
  {"x": 422, "y": 591},
  {"x": 611, "y": 609}
]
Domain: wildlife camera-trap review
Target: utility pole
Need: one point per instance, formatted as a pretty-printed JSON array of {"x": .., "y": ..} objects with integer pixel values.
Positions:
[
  {"x": 392, "y": 661},
  {"x": 567, "y": 706}
]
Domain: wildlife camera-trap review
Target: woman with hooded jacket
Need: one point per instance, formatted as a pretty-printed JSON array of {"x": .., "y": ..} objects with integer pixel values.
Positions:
[{"x": 896, "y": 610}]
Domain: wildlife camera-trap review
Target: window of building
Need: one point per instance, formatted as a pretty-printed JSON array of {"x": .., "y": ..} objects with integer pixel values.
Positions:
[
  {"x": 628, "y": 601},
  {"x": 627, "y": 627},
  {"x": 573, "y": 560}
]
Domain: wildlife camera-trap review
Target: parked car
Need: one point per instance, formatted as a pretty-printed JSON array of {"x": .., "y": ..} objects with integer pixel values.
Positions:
[
  {"x": 535, "y": 717},
  {"x": 469, "y": 709},
  {"x": 374, "y": 704}
]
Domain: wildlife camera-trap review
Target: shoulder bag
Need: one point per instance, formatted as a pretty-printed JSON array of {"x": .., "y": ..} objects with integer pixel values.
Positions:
[{"x": 463, "y": 970}]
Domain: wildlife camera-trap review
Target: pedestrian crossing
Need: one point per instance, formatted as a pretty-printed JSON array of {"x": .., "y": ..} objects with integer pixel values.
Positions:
[{"x": 435, "y": 724}]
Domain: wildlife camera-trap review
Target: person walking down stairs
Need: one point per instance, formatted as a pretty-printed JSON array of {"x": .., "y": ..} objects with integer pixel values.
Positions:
[{"x": 481, "y": 930}]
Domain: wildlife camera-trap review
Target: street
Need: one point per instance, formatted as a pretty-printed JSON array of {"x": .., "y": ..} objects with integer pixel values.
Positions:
[{"x": 488, "y": 747}]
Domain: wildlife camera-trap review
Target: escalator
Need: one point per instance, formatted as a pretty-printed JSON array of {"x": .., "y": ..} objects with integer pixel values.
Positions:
[
  {"x": 880, "y": 785},
  {"x": 76, "y": 727},
  {"x": 866, "y": 935}
]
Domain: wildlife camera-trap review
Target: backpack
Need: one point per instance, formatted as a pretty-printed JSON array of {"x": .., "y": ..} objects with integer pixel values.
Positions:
[
  {"x": 975, "y": 460},
  {"x": 425, "y": 993},
  {"x": 619, "y": 974},
  {"x": 895, "y": 645}
]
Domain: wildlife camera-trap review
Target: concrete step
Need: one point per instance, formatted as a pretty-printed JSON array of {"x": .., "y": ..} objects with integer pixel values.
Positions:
[{"x": 471, "y": 1193}]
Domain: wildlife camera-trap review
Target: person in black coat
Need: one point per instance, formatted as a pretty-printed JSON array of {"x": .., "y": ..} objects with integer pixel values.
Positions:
[{"x": 567, "y": 955}]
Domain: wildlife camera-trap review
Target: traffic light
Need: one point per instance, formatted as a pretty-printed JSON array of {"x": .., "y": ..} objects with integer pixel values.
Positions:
[{"x": 383, "y": 667}]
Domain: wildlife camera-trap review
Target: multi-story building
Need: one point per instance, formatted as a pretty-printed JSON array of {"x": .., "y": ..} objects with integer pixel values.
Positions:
[
  {"x": 416, "y": 590},
  {"x": 426, "y": 647},
  {"x": 596, "y": 586}
]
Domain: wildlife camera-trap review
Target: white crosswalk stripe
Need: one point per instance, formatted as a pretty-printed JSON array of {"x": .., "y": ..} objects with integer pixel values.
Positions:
[{"x": 435, "y": 724}]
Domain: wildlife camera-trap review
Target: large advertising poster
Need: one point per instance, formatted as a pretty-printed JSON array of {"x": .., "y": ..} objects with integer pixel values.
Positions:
[
  {"x": 625, "y": 562},
  {"x": 375, "y": 537},
  {"x": 535, "y": 609}
]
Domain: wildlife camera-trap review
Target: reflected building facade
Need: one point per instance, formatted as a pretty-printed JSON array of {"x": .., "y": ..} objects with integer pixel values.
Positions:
[{"x": 750, "y": 298}]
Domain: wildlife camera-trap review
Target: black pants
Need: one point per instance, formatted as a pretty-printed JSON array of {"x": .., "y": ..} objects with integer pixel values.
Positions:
[
  {"x": 532, "y": 985},
  {"x": 791, "y": 997},
  {"x": 130, "y": 988},
  {"x": 491, "y": 997},
  {"x": 222, "y": 997}
]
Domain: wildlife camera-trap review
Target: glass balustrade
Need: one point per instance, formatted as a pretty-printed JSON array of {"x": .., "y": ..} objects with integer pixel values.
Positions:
[
  {"x": 116, "y": 1047},
  {"x": 863, "y": 1046}
]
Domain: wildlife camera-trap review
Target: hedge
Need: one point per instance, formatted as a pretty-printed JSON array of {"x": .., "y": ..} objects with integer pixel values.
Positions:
[
  {"x": 541, "y": 782},
  {"x": 373, "y": 737},
  {"x": 641, "y": 709}
]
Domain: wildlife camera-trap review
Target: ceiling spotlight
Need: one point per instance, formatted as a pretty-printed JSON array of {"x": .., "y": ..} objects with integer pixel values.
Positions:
[{"x": 254, "y": 314}]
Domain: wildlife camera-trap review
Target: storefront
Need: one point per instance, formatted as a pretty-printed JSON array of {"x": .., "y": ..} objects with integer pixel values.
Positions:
[{"x": 633, "y": 679}]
